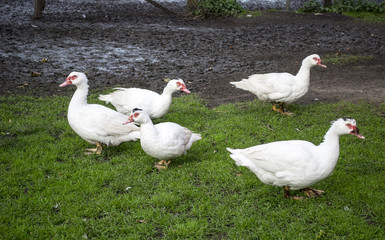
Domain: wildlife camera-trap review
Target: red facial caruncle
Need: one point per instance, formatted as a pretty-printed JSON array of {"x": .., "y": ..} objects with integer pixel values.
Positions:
[
  {"x": 182, "y": 87},
  {"x": 355, "y": 131},
  {"x": 71, "y": 78},
  {"x": 319, "y": 62},
  {"x": 135, "y": 115},
  {"x": 68, "y": 80},
  {"x": 131, "y": 118}
]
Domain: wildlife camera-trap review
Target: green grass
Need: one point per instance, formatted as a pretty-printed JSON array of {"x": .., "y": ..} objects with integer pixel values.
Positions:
[
  {"x": 342, "y": 59},
  {"x": 248, "y": 13},
  {"x": 50, "y": 189},
  {"x": 367, "y": 16},
  {"x": 368, "y": 11}
]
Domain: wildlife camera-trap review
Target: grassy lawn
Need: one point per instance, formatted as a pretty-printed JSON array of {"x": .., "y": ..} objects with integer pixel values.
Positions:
[
  {"x": 367, "y": 16},
  {"x": 51, "y": 190},
  {"x": 343, "y": 59}
]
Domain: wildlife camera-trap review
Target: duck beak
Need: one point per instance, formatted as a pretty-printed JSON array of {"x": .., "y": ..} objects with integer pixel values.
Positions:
[
  {"x": 130, "y": 119},
  {"x": 356, "y": 132},
  {"x": 66, "y": 82},
  {"x": 184, "y": 89},
  {"x": 319, "y": 64}
]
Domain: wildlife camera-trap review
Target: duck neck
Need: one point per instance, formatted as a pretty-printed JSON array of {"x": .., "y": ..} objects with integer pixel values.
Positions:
[
  {"x": 166, "y": 96},
  {"x": 304, "y": 73},
  {"x": 168, "y": 91},
  {"x": 80, "y": 95},
  {"x": 330, "y": 149},
  {"x": 148, "y": 130}
]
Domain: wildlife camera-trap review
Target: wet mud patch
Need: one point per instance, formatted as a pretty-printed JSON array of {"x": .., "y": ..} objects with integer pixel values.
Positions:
[{"x": 132, "y": 44}]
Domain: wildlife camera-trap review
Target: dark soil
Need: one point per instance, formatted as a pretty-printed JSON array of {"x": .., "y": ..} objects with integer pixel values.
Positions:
[{"x": 132, "y": 44}]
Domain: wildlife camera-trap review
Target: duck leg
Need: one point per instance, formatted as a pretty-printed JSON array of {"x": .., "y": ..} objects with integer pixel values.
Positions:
[
  {"x": 275, "y": 109},
  {"x": 162, "y": 164},
  {"x": 97, "y": 150},
  {"x": 286, "y": 194},
  {"x": 281, "y": 110},
  {"x": 311, "y": 192}
]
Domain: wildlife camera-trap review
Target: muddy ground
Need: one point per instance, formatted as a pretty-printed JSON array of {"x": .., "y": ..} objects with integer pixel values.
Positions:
[{"x": 132, "y": 44}]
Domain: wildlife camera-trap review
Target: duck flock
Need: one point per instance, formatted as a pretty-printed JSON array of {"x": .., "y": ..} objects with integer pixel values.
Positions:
[{"x": 306, "y": 164}]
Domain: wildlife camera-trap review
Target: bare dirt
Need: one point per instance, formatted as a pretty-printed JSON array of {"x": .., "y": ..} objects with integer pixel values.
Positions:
[{"x": 133, "y": 44}]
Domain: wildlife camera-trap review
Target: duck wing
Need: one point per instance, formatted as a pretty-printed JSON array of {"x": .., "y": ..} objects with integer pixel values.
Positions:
[
  {"x": 126, "y": 99},
  {"x": 270, "y": 87},
  {"x": 104, "y": 121},
  {"x": 277, "y": 157}
]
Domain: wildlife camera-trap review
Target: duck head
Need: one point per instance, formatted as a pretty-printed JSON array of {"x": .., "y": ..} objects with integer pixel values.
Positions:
[
  {"x": 74, "y": 78},
  {"x": 137, "y": 115},
  {"x": 177, "y": 85},
  {"x": 348, "y": 126},
  {"x": 314, "y": 60}
]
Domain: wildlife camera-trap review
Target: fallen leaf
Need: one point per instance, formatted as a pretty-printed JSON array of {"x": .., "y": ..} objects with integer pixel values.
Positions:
[
  {"x": 237, "y": 174},
  {"x": 35, "y": 74},
  {"x": 23, "y": 85},
  {"x": 141, "y": 221}
]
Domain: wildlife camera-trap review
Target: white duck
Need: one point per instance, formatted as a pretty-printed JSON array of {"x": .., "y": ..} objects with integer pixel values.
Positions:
[
  {"x": 296, "y": 164},
  {"x": 163, "y": 141},
  {"x": 281, "y": 87},
  {"x": 93, "y": 122},
  {"x": 156, "y": 105}
]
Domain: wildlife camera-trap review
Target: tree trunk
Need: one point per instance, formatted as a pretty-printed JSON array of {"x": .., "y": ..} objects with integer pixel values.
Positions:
[
  {"x": 38, "y": 9},
  {"x": 192, "y": 5},
  {"x": 328, "y": 3},
  {"x": 287, "y": 5},
  {"x": 160, "y": 7}
]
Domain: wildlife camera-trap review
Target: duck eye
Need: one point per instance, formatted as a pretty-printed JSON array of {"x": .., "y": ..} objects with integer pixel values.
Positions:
[
  {"x": 315, "y": 58},
  {"x": 136, "y": 114},
  {"x": 178, "y": 84},
  {"x": 348, "y": 124}
]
